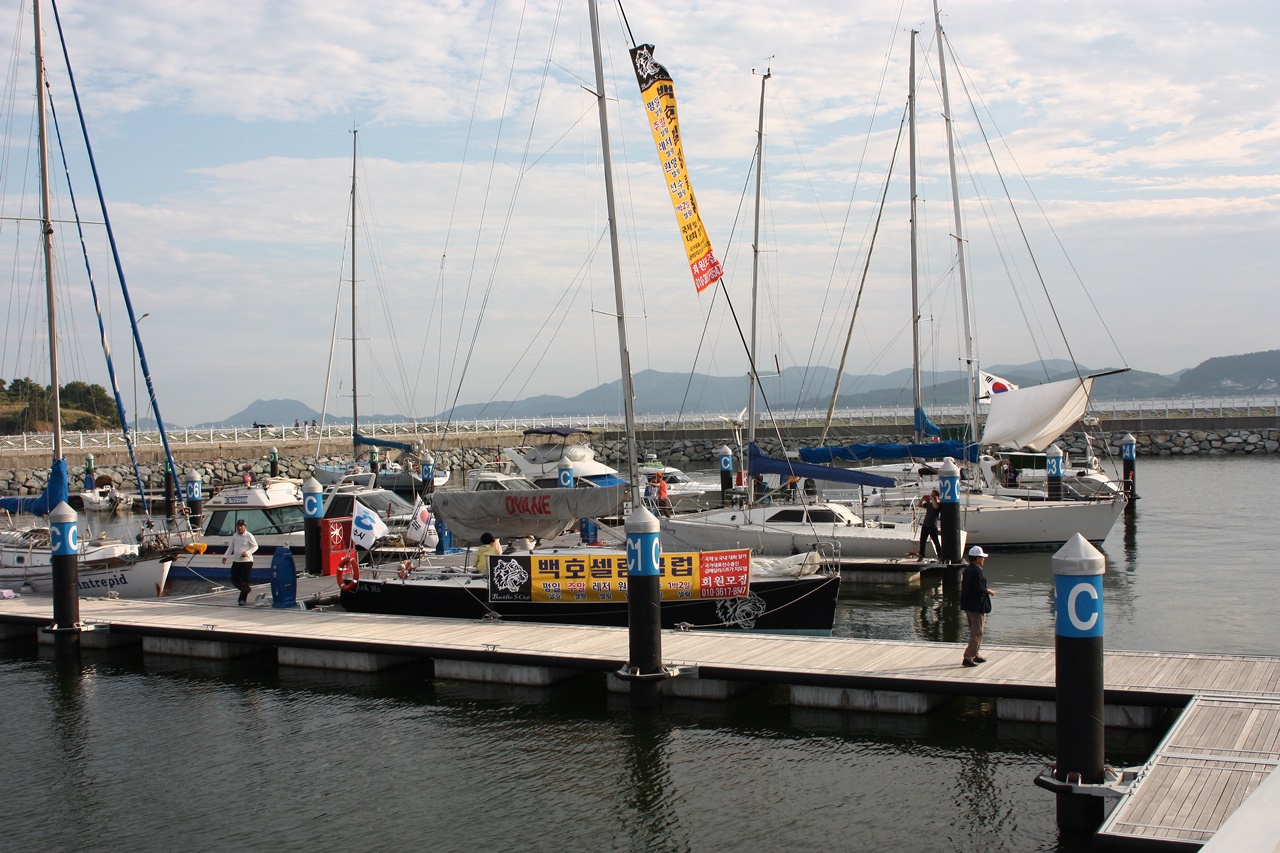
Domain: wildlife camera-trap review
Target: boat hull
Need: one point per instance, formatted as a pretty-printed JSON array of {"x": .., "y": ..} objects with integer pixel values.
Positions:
[
  {"x": 805, "y": 604},
  {"x": 1039, "y": 524},
  {"x": 834, "y": 540},
  {"x": 141, "y": 579}
]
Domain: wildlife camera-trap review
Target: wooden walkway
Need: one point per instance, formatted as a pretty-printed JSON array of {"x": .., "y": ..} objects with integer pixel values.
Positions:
[
  {"x": 1217, "y": 754},
  {"x": 1132, "y": 678}
]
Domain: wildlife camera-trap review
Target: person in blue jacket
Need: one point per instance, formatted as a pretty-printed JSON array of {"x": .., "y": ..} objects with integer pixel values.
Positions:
[{"x": 975, "y": 601}]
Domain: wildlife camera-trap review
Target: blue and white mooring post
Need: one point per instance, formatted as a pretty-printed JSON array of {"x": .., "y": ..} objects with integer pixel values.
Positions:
[
  {"x": 1053, "y": 472},
  {"x": 644, "y": 669},
  {"x": 949, "y": 512},
  {"x": 64, "y": 542},
  {"x": 1078, "y": 568},
  {"x": 427, "y": 472},
  {"x": 312, "y": 513},
  {"x": 724, "y": 453},
  {"x": 1129, "y": 463},
  {"x": 193, "y": 495}
]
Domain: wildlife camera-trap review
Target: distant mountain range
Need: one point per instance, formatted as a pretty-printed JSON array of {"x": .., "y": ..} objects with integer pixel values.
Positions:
[{"x": 810, "y": 388}]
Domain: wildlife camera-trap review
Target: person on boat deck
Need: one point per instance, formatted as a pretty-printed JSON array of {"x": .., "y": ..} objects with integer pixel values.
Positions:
[
  {"x": 241, "y": 548},
  {"x": 932, "y": 504},
  {"x": 488, "y": 545},
  {"x": 788, "y": 489},
  {"x": 1011, "y": 475},
  {"x": 663, "y": 498},
  {"x": 975, "y": 601},
  {"x": 758, "y": 486}
]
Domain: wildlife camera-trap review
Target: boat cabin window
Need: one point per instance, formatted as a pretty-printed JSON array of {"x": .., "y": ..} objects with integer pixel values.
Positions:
[
  {"x": 259, "y": 522},
  {"x": 787, "y": 516},
  {"x": 823, "y": 516},
  {"x": 380, "y": 501}
]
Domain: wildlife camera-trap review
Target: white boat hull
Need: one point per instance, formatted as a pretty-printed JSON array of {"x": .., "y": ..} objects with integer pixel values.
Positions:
[{"x": 729, "y": 529}]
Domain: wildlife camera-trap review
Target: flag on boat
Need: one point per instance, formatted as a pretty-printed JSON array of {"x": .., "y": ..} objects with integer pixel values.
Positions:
[
  {"x": 421, "y": 531},
  {"x": 366, "y": 527},
  {"x": 659, "y": 94},
  {"x": 992, "y": 384}
]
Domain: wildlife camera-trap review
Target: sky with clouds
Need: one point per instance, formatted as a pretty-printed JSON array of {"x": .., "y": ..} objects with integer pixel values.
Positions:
[{"x": 1132, "y": 148}]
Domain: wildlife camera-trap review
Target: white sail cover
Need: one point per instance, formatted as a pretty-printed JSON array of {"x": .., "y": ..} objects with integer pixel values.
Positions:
[
  {"x": 1033, "y": 417},
  {"x": 541, "y": 513}
]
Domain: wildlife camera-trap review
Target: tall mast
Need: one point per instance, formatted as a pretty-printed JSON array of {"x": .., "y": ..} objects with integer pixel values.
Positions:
[
  {"x": 355, "y": 399},
  {"x": 755, "y": 273},
  {"x": 917, "y": 397},
  {"x": 628, "y": 387},
  {"x": 959, "y": 235},
  {"x": 46, "y": 227}
]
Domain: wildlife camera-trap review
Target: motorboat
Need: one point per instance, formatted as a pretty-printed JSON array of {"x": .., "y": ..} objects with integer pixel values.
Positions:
[
  {"x": 103, "y": 496},
  {"x": 540, "y": 462}
]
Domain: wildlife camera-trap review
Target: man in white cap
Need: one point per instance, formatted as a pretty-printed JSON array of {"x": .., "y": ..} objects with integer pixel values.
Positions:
[{"x": 975, "y": 601}]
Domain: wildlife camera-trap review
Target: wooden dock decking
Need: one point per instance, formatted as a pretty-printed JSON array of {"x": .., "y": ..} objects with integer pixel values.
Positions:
[
  {"x": 1217, "y": 754},
  {"x": 1132, "y": 678}
]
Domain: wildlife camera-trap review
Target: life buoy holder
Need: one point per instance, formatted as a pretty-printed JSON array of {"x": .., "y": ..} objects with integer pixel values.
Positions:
[
  {"x": 348, "y": 574},
  {"x": 404, "y": 570}
]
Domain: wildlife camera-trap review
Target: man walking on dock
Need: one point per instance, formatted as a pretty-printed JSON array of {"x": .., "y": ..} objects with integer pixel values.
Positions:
[
  {"x": 241, "y": 549},
  {"x": 975, "y": 601}
]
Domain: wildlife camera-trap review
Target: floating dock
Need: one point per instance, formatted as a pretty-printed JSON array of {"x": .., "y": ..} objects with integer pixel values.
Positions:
[{"x": 1223, "y": 748}]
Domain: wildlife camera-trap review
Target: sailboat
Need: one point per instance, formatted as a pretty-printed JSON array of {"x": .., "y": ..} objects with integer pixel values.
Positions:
[
  {"x": 710, "y": 590},
  {"x": 401, "y": 477},
  {"x": 107, "y": 566},
  {"x": 829, "y": 529},
  {"x": 995, "y": 511}
]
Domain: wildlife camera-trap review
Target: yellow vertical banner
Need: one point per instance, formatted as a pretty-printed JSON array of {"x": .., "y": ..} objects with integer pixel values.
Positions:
[{"x": 659, "y": 93}]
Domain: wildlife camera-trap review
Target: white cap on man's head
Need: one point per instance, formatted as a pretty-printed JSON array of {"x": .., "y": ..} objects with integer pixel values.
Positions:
[{"x": 976, "y": 551}]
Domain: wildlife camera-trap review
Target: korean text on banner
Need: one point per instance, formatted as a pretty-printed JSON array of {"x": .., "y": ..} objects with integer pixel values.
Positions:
[
  {"x": 659, "y": 94},
  {"x": 598, "y": 577},
  {"x": 366, "y": 527}
]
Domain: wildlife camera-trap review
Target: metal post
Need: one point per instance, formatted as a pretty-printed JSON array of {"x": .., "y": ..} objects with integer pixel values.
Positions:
[
  {"x": 1053, "y": 472},
  {"x": 1129, "y": 462},
  {"x": 644, "y": 613},
  {"x": 170, "y": 492},
  {"x": 949, "y": 512},
  {"x": 193, "y": 494},
  {"x": 65, "y": 545},
  {"x": 725, "y": 454},
  {"x": 1078, "y": 568},
  {"x": 312, "y": 512}
]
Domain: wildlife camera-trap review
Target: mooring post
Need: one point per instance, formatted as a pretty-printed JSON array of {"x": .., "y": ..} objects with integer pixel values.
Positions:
[
  {"x": 724, "y": 453},
  {"x": 1077, "y": 580},
  {"x": 644, "y": 614},
  {"x": 1053, "y": 472},
  {"x": 427, "y": 472},
  {"x": 312, "y": 513},
  {"x": 274, "y": 461},
  {"x": 193, "y": 494},
  {"x": 949, "y": 512},
  {"x": 1129, "y": 461},
  {"x": 65, "y": 544},
  {"x": 88, "y": 471}
]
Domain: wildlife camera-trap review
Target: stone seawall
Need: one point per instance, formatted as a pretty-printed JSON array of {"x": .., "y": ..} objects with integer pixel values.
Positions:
[{"x": 696, "y": 453}]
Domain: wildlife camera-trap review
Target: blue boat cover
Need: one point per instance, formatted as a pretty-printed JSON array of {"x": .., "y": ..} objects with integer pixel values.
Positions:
[
  {"x": 607, "y": 480},
  {"x": 382, "y": 442},
  {"x": 859, "y": 452},
  {"x": 759, "y": 462},
  {"x": 54, "y": 493}
]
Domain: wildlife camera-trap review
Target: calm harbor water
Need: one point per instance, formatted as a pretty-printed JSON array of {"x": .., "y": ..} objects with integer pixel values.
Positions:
[{"x": 121, "y": 753}]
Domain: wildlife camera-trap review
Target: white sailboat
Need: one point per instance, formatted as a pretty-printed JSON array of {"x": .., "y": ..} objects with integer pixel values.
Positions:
[
  {"x": 107, "y": 566},
  {"x": 831, "y": 529},
  {"x": 994, "y": 510}
]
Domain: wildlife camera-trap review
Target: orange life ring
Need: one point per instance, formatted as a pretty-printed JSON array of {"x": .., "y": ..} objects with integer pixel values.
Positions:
[
  {"x": 348, "y": 574},
  {"x": 404, "y": 569}
]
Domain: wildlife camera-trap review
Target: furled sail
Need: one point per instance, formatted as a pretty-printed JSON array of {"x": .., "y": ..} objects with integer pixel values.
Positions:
[
  {"x": 760, "y": 462},
  {"x": 1034, "y": 416}
]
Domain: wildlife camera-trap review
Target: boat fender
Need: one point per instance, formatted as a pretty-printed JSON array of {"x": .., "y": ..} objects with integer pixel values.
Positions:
[
  {"x": 404, "y": 569},
  {"x": 348, "y": 574}
]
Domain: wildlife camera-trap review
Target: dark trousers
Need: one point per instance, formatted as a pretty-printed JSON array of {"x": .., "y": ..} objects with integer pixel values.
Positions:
[
  {"x": 240, "y": 578},
  {"x": 930, "y": 534}
]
